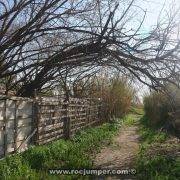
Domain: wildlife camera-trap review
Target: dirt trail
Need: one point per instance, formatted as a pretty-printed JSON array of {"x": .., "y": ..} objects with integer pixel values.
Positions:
[{"x": 122, "y": 152}]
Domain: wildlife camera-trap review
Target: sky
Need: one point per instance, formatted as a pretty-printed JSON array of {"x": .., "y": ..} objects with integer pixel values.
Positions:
[{"x": 154, "y": 8}]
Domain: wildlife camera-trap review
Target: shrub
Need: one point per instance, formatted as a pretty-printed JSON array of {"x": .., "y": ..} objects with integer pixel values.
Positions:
[
  {"x": 156, "y": 107},
  {"x": 115, "y": 93},
  {"x": 117, "y": 97},
  {"x": 162, "y": 108}
]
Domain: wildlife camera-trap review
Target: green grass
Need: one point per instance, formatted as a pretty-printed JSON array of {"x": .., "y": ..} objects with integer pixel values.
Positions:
[
  {"x": 129, "y": 120},
  {"x": 71, "y": 154},
  {"x": 150, "y": 134},
  {"x": 137, "y": 110},
  {"x": 158, "y": 167},
  {"x": 133, "y": 117}
]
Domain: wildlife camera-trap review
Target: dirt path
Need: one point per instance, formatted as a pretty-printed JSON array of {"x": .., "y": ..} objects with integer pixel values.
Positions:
[{"x": 122, "y": 152}]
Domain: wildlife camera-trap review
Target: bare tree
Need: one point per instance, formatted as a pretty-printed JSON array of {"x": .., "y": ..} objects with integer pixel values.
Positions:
[{"x": 40, "y": 39}]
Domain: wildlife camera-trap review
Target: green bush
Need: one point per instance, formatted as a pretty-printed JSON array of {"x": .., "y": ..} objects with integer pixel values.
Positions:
[
  {"x": 162, "y": 108},
  {"x": 115, "y": 92},
  {"x": 157, "y": 107},
  {"x": 117, "y": 96}
]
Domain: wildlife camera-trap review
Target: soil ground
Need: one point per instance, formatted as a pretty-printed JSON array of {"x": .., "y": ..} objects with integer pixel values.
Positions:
[{"x": 121, "y": 153}]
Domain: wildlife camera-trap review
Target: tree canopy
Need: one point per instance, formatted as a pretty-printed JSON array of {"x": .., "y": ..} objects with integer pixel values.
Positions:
[{"x": 42, "y": 40}]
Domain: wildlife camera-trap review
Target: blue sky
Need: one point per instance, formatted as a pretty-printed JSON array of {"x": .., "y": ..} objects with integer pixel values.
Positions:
[{"x": 155, "y": 7}]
